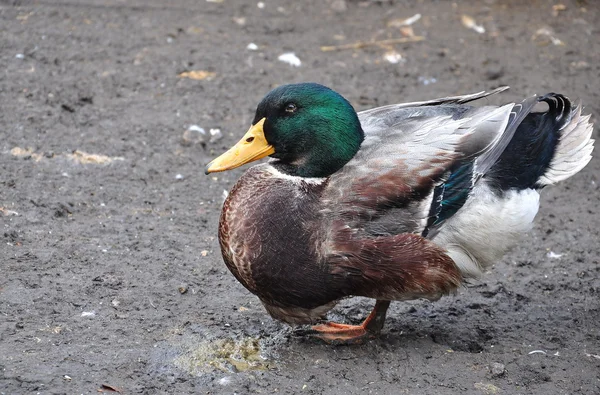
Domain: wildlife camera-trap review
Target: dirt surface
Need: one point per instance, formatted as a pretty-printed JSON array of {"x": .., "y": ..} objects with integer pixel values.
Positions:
[{"x": 111, "y": 275}]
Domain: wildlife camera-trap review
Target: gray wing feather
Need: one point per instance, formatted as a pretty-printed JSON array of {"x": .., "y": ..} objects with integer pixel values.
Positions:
[
  {"x": 406, "y": 152},
  {"x": 462, "y": 99}
]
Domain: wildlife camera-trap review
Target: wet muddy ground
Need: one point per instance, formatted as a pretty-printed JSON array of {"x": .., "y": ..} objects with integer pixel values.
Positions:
[{"x": 111, "y": 275}]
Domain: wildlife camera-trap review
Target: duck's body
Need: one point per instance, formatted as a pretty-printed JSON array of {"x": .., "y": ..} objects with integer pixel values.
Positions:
[{"x": 427, "y": 195}]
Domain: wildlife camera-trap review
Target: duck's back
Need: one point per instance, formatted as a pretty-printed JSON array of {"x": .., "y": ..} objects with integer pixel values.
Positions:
[{"x": 465, "y": 177}]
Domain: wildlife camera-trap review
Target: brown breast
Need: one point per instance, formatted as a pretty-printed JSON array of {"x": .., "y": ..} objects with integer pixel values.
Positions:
[{"x": 269, "y": 235}]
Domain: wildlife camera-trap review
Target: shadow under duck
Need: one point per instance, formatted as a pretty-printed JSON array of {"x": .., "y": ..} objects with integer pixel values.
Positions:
[{"x": 399, "y": 202}]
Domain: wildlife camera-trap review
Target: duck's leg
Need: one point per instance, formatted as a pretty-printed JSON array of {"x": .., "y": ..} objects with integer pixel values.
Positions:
[{"x": 342, "y": 333}]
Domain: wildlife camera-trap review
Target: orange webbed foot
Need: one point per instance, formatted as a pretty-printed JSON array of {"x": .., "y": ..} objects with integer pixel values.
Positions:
[{"x": 334, "y": 333}]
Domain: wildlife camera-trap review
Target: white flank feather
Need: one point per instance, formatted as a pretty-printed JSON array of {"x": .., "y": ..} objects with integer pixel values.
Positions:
[
  {"x": 574, "y": 149},
  {"x": 486, "y": 227}
]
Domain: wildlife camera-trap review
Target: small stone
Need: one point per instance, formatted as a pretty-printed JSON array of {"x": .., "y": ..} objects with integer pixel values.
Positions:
[
  {"x": 182, "y": 290},
  {"x": 290, "y": 58},
  {"x": 215, "y": 135},
  {"x": 494, "y": 72},
  {"x": 241, "y": 21},
  {"x": 193, "y": 135},
  {"x": 497, "y": 369},
  {"x": 393, "y": 57},
  {"x": 225, "y": 380}
]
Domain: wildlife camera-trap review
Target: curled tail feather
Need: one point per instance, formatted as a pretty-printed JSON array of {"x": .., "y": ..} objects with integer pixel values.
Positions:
[{"x": 575, "y": 145}]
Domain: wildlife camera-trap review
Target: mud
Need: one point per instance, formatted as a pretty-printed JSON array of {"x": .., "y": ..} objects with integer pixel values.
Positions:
[{"x": 111, "y": 273}]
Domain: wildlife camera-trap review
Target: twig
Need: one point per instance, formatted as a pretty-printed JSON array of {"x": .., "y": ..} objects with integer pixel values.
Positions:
[{"x": 362, "y": 44}]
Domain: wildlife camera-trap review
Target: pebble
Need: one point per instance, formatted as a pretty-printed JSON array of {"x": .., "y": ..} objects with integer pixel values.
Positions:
[
  {"x": 393, "y": 57},
  {"x": 290, "y": 58},
  {"x": 215, "y": 135},
  {"x": 497, "y": 369},
  {"x": 494, "y": 72},
  {"x": 193, "y": 135},
  {"x": 427, "y": 80},
  {"x": 225, "y": 380}
]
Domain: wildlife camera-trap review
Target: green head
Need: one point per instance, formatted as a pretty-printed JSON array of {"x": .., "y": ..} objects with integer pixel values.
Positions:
[{"x": 311, "y": 130}]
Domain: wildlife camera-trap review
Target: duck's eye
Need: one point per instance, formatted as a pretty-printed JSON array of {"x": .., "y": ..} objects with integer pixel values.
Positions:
[{"x": 290, "y": 108}]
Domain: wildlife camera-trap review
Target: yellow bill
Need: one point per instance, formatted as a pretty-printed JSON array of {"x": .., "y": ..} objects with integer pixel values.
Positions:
[{"x": 253, "y": 146}]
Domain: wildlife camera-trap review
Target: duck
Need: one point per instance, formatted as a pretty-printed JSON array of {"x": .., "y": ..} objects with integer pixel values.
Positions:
[{"x": 395, "y": 203}]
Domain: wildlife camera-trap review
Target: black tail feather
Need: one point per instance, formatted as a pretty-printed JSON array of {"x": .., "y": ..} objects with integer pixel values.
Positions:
[{"x": 530, "y": 152}]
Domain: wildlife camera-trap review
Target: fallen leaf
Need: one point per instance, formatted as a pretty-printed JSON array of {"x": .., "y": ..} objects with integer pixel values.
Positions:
[
  {"x": 407, "y": 31},
  {"x": 557, "y": 8},
  {"x": 195, "y": 30},
  {"x": 470, "y": 23},
  {"x": 198, "y": 75},
  {"x": 84, "y": 158},
  {"x": 544, "y": 36},
  {"x": 110, "y": 388},
  {"x": 18, "y": 151},
  {"x": 77, "y": 156},
  {"x": 404, "y": 21},
  {"x": 6, "y": 212}
]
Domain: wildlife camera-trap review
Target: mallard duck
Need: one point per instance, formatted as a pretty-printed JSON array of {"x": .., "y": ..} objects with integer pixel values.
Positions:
[{"x": 398, "y": 202}]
